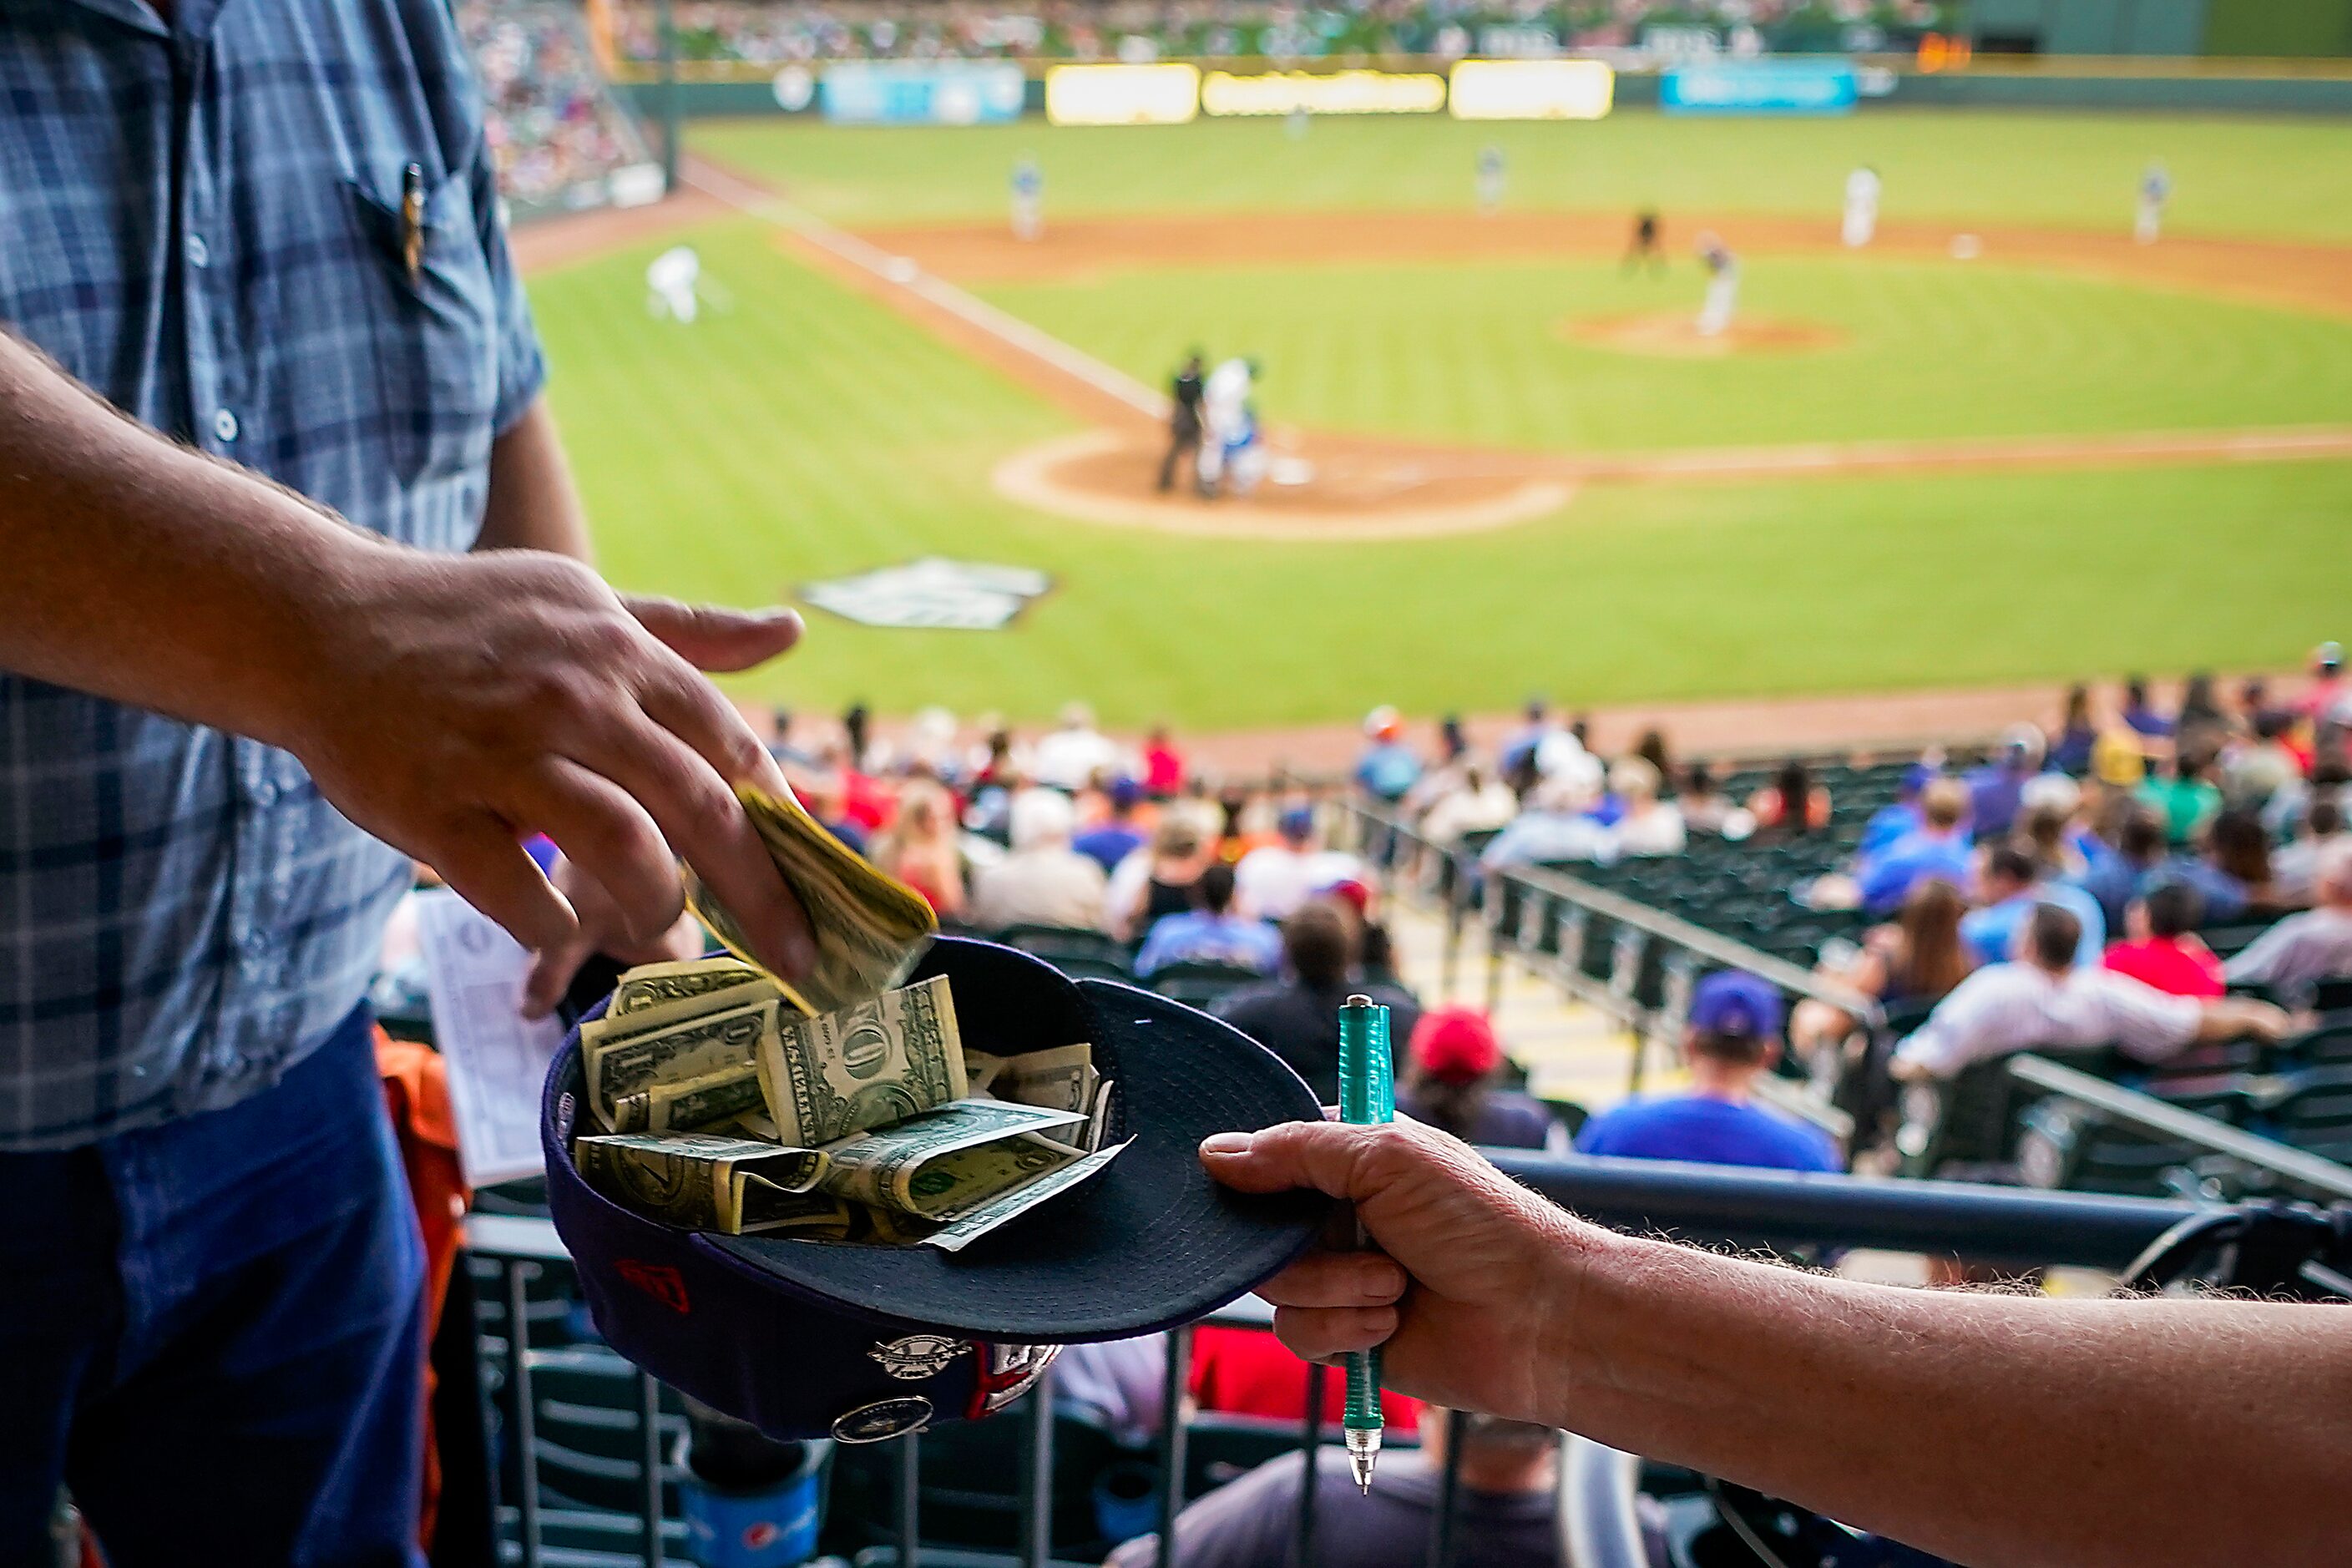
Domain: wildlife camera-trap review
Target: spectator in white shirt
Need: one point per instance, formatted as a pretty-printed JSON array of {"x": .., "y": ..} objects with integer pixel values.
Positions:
[
  {"x": 1470, "y": 802},
  {"x": 1276, "y": 879},
  {"x": 1044, "y": 882},
  {"x": 2042, "y": 1001},
  {"x": 2316, "y": 945},
  {"x": 1648, "y": 826},
  {"x": 2294, "y": 867},
  {"x": 1076, "y": 755}
]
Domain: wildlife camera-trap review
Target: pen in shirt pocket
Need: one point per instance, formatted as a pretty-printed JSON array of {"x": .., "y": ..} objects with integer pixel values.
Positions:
[{"x": 412, "y": 222}]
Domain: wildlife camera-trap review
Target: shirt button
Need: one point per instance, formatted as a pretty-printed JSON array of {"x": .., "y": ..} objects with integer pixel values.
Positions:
[
  {"x": 199, "y": 253},
  {"x": 225, "y": 425}
]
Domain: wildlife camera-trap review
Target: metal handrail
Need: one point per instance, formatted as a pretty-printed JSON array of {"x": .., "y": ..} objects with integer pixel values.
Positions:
[
  {"x": 2154, "y": 1115},
  {"x": 1712, "y": 945},
  {"x": 1705, "y": 1205}
]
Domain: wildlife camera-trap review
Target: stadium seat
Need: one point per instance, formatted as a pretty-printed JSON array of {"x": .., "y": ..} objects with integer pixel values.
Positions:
[
  {"x": 970, "y": 1477},
  {"x": 1201, "y": 984},
  {"x": 1078, "y": 953},
  {"x": 2313, "y": 1112}
]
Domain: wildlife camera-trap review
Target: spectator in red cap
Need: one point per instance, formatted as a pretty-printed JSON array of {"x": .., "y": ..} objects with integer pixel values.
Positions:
[{"x": 1451, "y": 1067}]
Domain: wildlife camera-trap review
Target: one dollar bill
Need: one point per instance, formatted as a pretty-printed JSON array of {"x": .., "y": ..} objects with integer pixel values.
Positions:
[
  {"x": 892, "y": 1057},
  {"x": 941, "y": 1163},
  {"x": 870, "y": 929},
  {"x": 699, "y": 1181}
]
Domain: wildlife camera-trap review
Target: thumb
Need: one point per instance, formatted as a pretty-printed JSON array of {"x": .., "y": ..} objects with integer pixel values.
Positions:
[
  {"x": 712, "y": 637},
  {"x": 1325, "y": 1155}
]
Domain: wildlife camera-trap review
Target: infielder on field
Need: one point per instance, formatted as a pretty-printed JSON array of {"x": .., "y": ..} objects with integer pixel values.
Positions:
[
  {"x": 1028, "y": 201},
  {"x": 2155, "y": 190},
  {"x": 1722, "y": 286},
  {"x": 1861, "y": 207},
  {"x": 1647, "y": 246}
]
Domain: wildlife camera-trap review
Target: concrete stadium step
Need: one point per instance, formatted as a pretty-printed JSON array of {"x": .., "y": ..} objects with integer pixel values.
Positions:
[{"x": 1570, "y": 1050}]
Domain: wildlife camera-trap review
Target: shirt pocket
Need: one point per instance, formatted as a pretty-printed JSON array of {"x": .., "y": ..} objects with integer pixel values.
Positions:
[{"x": 437, "y": 338}]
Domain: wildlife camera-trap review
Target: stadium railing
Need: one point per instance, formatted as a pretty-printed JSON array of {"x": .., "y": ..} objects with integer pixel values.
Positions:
[
  {"x": 1538, "y": 918},
  {"x": 1715, "y": 1206}
]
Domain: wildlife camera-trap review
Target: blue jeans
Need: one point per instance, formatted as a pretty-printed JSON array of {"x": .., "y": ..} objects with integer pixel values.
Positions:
[{"x": 212, "y": 1332}]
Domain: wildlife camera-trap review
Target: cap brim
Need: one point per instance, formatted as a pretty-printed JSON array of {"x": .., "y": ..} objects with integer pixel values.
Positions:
[{"x": 1150, "y": 1243}]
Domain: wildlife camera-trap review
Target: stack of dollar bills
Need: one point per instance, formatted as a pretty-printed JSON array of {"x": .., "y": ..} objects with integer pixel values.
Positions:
[{"x": 724, "y": 1107}]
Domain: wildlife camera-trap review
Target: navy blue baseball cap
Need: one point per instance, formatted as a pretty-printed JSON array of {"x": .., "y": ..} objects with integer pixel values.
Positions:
[
  {"x": 806, "y": 1338},
  {"x": 1735, "y": 1004}
]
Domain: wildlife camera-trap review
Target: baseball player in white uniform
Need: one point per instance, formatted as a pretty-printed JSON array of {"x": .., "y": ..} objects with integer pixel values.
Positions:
[
  {"x": 1861, "y": 207},
  {"x": 1722, "y": 286},
  {"x": 671, "y": 283},
  {"x": 1230, "y": 459},
  {"x": 2155, "y": 190}
]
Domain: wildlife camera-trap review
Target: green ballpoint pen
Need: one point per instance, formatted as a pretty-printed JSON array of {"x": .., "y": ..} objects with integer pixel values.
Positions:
[{"x": 1367, "y": 1096}]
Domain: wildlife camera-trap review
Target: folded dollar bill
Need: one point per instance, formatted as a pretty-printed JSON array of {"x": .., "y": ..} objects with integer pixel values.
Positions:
[
  {"x": 945, "y": 1161},
  {"x": 870, "y": 929},
  {"x": 703, "y": 1182}
]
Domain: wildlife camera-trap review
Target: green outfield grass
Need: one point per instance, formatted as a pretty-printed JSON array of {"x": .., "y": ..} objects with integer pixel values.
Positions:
[
  {"x": 1474, "y": 353},
  {"x": 806, "y": 431},
  {"x": 2287, "y": 178}
]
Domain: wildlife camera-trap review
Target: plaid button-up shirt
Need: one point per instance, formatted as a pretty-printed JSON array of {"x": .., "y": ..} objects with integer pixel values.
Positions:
[{"x": 204, "y": 220}]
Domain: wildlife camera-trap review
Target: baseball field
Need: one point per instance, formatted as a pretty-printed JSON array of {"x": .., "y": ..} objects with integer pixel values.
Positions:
[{"x": 2001, "y": 444}]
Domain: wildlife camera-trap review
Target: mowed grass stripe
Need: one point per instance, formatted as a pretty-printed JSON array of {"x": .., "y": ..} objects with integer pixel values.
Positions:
[
  {"x": 1476, "y": 353},
  {"x": 2247, "y": 177}
]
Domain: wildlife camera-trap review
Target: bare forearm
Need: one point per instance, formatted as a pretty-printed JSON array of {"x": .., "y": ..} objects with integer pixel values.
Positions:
[
  {"x": 532, "y": 503},
  {"x": 150, "y": 574},
  {"x": 1990, "y": 1428}
]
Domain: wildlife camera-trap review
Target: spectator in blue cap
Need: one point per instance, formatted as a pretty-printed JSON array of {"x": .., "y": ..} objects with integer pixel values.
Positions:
[{"x": 1733, "y": 1038}]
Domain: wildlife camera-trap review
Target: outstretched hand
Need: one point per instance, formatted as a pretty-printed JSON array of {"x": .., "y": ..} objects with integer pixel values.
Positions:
[
  {"x": 1474, "y": 1286},
  {"x": 465, "y": 702}
]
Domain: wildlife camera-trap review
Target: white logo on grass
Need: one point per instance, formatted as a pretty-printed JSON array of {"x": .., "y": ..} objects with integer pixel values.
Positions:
[{"x": 933, "y": 593}]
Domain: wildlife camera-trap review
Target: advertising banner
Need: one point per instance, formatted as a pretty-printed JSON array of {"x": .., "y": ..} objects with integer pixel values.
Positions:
[
  {"x": 921, "y": 92},
  {"x": 1323, "y": 92},
  {"x": 1166, "y": 94},
  {"x": 1759, "y": 87},
  {"x": 1533, "y": 90}
]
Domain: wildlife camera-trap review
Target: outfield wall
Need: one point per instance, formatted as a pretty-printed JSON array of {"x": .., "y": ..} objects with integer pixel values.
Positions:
[{"x": 2197, "y": 87}]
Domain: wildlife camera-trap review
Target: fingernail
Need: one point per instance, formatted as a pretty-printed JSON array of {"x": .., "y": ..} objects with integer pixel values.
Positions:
[{"x": 1225, "y": 1143}]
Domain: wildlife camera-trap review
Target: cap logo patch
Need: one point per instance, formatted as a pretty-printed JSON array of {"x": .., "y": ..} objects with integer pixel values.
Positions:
[
  {"x": 918, "y": 1356},
  {"x": 1009, "y": 1373},
  {"x": 883, "y": 1419},
  {"x": 660, "y": 1280}
]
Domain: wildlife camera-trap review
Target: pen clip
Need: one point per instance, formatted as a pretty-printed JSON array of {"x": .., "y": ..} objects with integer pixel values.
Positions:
[{"x": 412, "y": 222}]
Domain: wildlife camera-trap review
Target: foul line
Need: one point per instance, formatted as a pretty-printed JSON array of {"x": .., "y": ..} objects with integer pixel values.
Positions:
[{"x": 903, "y": 272}]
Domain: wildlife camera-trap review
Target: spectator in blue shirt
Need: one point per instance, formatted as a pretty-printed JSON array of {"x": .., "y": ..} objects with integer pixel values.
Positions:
[
  {"x": 1938, "y": 848},
  {"x": 2069, "y": 749},
  {"x": 1117, "y": 837},
  {"x": 2141, "y": 718},
  {"x": 2010, "y": 884},
  {"x": 1733, "y": 1038},
  {"x": 1389, "y": 766},
  {"x": 1996, "y": 789},
  {"x": 1897, "y": 820},
  {"x": 2115, "y": 878},
  {"x": 1212, "y": 933}
]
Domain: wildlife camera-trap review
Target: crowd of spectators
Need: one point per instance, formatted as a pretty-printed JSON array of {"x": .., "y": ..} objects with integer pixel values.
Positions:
[
  {"x": 782, "y": 32},
  {"x": 555, "y": 132},
  {"x": 2126, "y": 834}
]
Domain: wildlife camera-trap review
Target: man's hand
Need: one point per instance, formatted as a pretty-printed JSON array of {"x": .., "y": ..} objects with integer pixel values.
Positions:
[
  {"x": 603, "y": 929},
  {"x": 462, "y": 702},
  {"x": 1493, "y": 1269}
]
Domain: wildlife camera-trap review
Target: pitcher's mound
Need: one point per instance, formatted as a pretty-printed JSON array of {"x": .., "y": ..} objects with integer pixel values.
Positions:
[
  {"x": 1335, "y": 488},
  {"x": 1678, "y": 336}
]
